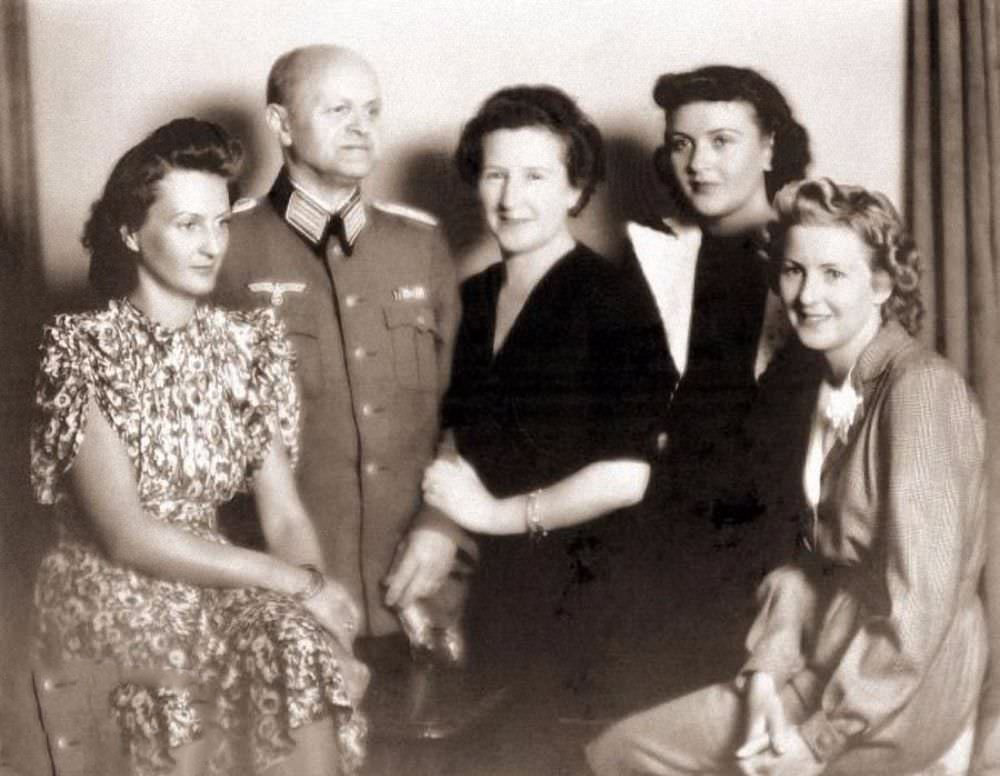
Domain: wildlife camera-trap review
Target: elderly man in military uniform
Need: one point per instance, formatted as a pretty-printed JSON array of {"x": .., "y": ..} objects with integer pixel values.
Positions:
[{"x": 367, "y": 292}]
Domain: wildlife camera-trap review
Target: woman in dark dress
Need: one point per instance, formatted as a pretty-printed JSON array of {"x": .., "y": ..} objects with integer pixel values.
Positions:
[
  {"x": 548, "y": 405},
  {"x": 730, "y": 142}
]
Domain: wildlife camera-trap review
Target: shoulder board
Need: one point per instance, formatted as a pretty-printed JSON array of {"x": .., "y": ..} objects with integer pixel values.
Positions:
[
  {"x": 412, "y": 213},
  {"x": 243, "y": 204}
]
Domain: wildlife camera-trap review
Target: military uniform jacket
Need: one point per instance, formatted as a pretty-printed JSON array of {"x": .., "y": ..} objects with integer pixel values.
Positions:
[{"x": 373, "y": 335}]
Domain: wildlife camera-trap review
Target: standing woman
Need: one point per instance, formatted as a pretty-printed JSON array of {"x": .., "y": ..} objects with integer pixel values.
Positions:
[
  {"x": 869, "y": 648},
  {"x": 549, "y": 401},
  {"x": 150, "y": 413},
  {"x": 730, "y": 141}
]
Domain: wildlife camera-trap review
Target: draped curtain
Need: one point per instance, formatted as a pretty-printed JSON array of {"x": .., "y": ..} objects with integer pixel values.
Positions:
[
  {"x": 18, "y": 223},
  {"x": 22, "y": 747},
  {"x": 953, "y": 175},
  {"x": 953, "y": 198}
]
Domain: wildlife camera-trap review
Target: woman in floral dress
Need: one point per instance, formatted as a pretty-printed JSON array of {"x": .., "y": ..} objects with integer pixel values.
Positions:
[{"x": 150, "y": 413}]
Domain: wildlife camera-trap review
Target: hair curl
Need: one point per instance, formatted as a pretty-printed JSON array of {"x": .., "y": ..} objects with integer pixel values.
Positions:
[
  {"x": 131, "y": 189},
  {"x": 517, "y": 107},
  {"x": 724, "y": 83},
  {"x": 871, "y": 216}
]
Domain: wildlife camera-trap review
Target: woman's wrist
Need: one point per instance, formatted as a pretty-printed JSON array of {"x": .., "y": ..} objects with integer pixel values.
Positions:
[
  {"x": 290, "y": 578},
  {"x": 316, "y": 583}
]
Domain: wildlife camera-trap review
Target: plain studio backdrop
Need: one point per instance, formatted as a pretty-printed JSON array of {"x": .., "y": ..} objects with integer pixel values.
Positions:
[{"x": 106, "y": 72}]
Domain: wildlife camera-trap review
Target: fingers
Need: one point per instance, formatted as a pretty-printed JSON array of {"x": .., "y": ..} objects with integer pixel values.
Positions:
[
  {"x": 777, "y": 727},
  {"x": 343, "y": 636},
  {"x": 414, "y": 579},
  {"x": 754, "y": 746},
  {"x": 401, "y": 579}
]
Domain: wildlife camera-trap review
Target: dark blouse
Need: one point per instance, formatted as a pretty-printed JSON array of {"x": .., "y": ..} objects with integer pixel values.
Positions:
[
  {"x": 571, "y": 385},
  {"x": 708, "y": 444}
]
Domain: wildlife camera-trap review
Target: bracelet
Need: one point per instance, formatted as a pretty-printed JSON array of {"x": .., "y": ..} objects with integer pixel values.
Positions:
[
  {"x": 316, "y": 583},
  {"x": 533, "y": 520}
]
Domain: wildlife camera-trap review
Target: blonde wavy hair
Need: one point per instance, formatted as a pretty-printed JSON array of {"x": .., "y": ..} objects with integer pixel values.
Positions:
[{"x": 871, "y": 216}]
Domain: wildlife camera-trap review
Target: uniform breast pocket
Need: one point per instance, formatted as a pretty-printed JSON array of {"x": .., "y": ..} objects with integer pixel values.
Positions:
[
  {"x": 413, "y": 330},
  {"x": 304, "y": 337}
]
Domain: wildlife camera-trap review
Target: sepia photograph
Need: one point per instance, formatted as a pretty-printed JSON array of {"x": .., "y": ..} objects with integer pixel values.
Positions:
[{"x": 509, "y": 388}]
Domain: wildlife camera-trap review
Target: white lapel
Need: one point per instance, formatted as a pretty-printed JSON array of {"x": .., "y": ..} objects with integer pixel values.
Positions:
[
  {"x": 774, "y": 333},
  {"x": 668, "y": 260}
]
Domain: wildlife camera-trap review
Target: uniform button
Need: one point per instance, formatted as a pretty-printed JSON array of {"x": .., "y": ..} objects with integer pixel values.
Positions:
[
  {"x": 371, "y": 468},
  {"x": 359, "y": 352},
  {"x": 366, "y": 410},
  {"x": 351, "y": 300},
  {"x": 48, "y": 685},
  {"x": 421, "y": 319},
  {"x": 661, "y": 441},
  {"x": 62, "y": 742}
]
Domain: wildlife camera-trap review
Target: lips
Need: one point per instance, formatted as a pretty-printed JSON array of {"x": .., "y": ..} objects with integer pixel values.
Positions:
[
  {"x": 812, "y": 319},
  {"x": 703, "y": 187}
]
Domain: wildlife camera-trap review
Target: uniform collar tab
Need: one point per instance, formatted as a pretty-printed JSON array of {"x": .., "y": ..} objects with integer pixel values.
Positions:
[{"x": 311, "y": 220}]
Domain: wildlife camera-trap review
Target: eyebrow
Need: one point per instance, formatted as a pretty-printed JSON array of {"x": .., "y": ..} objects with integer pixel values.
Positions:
[{"x": 713, "y": 131}]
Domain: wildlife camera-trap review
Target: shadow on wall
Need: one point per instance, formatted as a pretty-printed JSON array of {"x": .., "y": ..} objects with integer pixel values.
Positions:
[
  {"x": 427, "y": 180},
  {"x": 632, "y": 192},
  {"x": 226, "y": 110},
  {"x": 424, "y": 177}
]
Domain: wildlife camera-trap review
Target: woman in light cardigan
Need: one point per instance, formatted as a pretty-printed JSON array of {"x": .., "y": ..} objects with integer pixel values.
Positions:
[{"x": 869, "y": 648}]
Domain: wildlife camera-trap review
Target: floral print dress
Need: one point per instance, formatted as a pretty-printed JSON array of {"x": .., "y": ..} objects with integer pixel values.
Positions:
[{"x": 195, "y": 408}]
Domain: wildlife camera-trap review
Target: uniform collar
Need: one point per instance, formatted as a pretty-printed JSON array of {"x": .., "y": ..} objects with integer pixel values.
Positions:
[{"x": 312, "y": 221}]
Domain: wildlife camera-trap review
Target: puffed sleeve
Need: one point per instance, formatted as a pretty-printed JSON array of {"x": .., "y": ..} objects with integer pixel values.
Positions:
[
  {"x": 930, "y": 469},
  {"x": 62, "y": 392},
  {"x": 272, "y": 401}
]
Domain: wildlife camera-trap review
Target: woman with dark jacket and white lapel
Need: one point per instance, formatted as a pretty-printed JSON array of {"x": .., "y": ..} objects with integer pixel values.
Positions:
[
  {"x": 869, "y": 648},
  {"x": 730, "y": 142}
]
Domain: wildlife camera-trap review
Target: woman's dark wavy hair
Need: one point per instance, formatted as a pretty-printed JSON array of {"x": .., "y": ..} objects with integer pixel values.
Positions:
[
  {"x": 537, "y": 106},
  {"x": 871, "y": 216},
  {"x": 724, "y": 83},
  {"x": 131, "y": 189}
]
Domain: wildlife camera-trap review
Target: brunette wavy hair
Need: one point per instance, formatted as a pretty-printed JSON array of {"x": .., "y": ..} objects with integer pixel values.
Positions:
[
  {"x": 725, "y": 83},
  {"x": 132, "y": 188},
  {"x": 537, "y": 106}
]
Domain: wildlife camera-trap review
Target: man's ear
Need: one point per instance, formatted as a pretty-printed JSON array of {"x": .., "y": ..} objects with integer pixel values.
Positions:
[
  {"x": 128, "y": 238},
  {"x": 276, "y": 116}
]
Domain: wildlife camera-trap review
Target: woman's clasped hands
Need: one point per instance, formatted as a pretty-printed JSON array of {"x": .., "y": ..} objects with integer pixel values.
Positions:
[
  {"x": 771, "y": 747},
  {"x": 337, "y": 611}
]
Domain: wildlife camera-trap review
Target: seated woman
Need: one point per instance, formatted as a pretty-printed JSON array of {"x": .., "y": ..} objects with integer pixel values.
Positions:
[
  {"x": 869, "y": 649},
  {"x": 549, "y": 401},
  {"x": 150, "y": 413}
]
